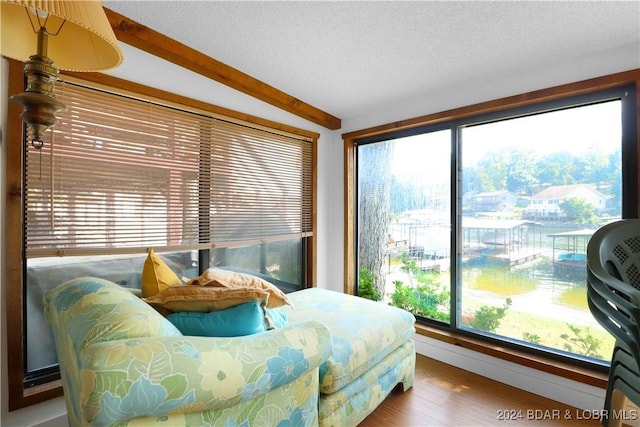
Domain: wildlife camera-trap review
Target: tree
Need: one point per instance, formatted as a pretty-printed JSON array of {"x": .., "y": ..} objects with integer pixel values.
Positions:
[
  {"x": 521, "y": 172},
  {"x": 509, "y": 168},
  {"x": 374, "y": 209},
  {"x": 557, "y": 168},
  {"x": 578, "y": 210},
  {"x": 595, "y": 168},
  {"x": 493, "y": 170}
]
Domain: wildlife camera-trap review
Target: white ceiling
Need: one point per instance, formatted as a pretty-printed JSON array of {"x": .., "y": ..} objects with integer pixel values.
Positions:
[{"x": 348, "y": 57}]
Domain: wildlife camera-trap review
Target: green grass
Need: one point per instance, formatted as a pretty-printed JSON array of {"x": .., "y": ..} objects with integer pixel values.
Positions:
[
  {"x": 549, "y": 330},
  {"x": 501, "y": 284},
  {"x": 515, "y": 323}
]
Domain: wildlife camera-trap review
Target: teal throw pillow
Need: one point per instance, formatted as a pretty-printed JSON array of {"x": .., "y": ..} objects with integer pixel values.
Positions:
[
  {"x": 240, "y": 320},
  {"x": 275, "y": 318}
]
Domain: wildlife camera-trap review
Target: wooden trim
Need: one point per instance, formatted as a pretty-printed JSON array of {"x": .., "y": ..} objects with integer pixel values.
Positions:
[
  {"x": 522, "y": 100},
  {"x": 349, "y": 217},
  {"x": 14, "y": 263},
  {"x": 552, "y": 366},
  {"x": 312, "y": 262},
  {"x": 111, "y": 82},
  {"x": 137, "y": 35},
  {"x": 558, "y": 92}
]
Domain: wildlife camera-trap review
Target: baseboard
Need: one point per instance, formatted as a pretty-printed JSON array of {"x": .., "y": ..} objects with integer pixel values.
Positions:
[
  {"x": 569, "y": 392},
  {"x": 59, "y": 421},
  {"x": 51, "y": 413}
]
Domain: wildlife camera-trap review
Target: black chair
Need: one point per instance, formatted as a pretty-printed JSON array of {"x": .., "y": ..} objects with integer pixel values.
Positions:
[{"x": 613, "y": 294}]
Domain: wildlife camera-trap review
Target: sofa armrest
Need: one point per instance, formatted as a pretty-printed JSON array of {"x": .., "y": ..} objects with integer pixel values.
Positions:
[{"x": 155, "y": 376}]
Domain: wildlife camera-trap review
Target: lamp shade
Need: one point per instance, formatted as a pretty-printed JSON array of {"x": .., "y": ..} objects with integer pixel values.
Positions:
[{"x": 85, "y": 42}]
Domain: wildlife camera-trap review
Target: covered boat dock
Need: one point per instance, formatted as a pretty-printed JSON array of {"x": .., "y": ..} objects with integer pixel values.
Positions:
[
  {"x": 570, "y": 253},
  {"x": 505, "y": 241}
]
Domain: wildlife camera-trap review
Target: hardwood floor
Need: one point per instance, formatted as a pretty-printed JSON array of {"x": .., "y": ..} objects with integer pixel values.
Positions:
[{"x": 443, "y": 395}]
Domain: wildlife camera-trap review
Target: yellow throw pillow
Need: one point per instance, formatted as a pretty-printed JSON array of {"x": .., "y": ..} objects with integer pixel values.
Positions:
[
  {"x": 157, "y": 276},
  {"x": 204, "y": 299},
  {"x": 219, "y": 278}
]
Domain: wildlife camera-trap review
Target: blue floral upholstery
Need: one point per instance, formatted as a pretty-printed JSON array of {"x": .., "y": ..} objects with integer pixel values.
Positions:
[
  {"x": 351, "y": 404},
  {"x": 363, "y": 332},
  {"x": 124, "y": 364},
  {"x": 373, "y": 351}
]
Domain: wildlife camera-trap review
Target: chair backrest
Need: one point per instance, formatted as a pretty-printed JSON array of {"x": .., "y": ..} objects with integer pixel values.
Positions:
[
  {"x": 613, "y": 281},
  {"x": 617, "y": 247}
]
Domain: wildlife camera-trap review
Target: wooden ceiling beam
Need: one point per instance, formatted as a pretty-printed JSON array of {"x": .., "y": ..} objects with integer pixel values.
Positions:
[{"x": 139, "y": 36}]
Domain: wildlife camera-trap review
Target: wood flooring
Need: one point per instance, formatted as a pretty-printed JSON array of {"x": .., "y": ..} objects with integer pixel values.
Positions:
[{"x": 443, "y": 395}]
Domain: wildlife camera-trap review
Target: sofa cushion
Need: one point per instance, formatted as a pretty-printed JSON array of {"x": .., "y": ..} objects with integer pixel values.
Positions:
[
  {"x": 219, "y": 278},
  {"x": 104, "y": 312},
  {"x": 157, "y": 276},
  {"x": 204, "y": 299},
  {"x": 351, "y": 404},
  {"x": 363, "y": 331},
  {"x": 240, "y": 320}
]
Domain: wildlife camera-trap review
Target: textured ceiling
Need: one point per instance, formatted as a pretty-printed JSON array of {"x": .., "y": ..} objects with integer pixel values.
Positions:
[{"x": 347, "y": 57}]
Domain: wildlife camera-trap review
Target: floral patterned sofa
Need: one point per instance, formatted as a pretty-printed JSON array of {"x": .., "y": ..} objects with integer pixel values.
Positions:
[
  {"x": 123, "y": 363},
  {"x": 373, "y": 351}
]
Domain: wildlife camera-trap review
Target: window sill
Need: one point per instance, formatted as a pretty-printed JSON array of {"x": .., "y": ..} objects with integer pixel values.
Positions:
[{"x": 584, "y": 375}]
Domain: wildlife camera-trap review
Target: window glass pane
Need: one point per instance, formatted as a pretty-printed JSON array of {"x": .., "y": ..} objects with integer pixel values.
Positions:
[
  {"x": 279, "y": 262},
  {"x": 404, "y": 217},
  {"x": 534, "y": 189}
]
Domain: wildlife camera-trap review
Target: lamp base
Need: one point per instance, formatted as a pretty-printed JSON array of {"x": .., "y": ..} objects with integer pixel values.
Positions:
[
  {"x": 38, "y": 114},
  {"x": 39, "y": 102}
]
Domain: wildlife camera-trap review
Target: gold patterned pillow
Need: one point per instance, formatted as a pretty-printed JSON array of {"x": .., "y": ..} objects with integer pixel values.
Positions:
[
  {"x": 204, "y": 299},
  {"x": 219, "y": 278}
]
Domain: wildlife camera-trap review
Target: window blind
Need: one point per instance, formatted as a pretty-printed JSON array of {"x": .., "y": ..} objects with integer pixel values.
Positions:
[{"x": 120, "y": 175}]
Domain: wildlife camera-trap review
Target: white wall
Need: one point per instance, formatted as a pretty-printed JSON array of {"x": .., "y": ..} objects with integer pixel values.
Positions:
[
  {"x": 622, "y": 58},
  {"x": 330, "y": 195}
]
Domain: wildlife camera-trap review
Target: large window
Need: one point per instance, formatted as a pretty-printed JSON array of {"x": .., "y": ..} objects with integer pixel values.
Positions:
[
  {"x": 404, "y": 188},
  {"x": 480, "y": 224},
  {"x": 534, "y": 189},
  {"x": 122, "y": 174}
]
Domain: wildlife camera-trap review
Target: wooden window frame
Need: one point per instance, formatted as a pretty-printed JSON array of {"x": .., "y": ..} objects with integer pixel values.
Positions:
[
  {"x": 589, "y": 376},
  {"x": 21, "y": 396}
]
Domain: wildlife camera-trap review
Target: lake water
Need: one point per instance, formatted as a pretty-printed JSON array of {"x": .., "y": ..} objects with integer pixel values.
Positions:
[{"x": 532, "y": 286}]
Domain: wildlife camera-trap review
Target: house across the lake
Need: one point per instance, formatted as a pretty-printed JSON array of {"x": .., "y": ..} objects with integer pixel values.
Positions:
[
  {"x": 547, "y": 203},
  {"x": 493, "y": 201}
]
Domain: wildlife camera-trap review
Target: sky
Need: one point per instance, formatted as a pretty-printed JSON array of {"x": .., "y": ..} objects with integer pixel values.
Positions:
[{"x": 578, "y": 130}]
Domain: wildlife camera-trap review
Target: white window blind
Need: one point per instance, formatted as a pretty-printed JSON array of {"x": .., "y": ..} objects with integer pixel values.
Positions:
[{"x": 118, "y": 175}]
